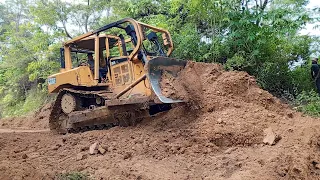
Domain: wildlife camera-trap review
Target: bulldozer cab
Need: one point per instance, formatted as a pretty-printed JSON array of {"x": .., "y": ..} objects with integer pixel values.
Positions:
[{"x": 120, "y": 51}]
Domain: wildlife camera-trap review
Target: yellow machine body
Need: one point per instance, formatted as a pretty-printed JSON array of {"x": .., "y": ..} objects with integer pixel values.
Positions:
[
  {"x": 122, "y": 74},
  {"x": 117, "y": 88}
]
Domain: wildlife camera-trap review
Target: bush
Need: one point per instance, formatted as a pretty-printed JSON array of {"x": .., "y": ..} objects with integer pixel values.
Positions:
[
  {"x": 301, "y": 78},
  {"x": 13, "y": 106},
  {"x": 309, "y": 103}
]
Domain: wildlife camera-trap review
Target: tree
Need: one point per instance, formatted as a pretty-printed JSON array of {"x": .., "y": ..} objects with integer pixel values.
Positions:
[{"x": 72, "y": 19}]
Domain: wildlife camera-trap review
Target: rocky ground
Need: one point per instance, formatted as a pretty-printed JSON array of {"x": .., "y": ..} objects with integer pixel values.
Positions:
[{"x": 229, "y": 129}]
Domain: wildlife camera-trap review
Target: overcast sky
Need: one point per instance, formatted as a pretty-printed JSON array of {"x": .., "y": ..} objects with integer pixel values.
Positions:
[{"x": 309, "y": 29}]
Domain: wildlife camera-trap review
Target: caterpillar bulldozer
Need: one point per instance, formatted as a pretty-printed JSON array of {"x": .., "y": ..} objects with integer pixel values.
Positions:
[{"x": 120, "y": 85}]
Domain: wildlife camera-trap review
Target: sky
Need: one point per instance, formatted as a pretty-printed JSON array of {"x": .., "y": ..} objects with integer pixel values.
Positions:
[{"x": 309, "y": 29}]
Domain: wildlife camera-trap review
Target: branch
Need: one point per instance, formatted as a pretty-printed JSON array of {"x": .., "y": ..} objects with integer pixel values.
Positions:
[
  {"x": 86, "y": 24},
  {"x": 87, "y": 18},
  {"x": 64, "y": 26},
  {"x": 65, "y": 30},
  {"x": 257, "y": 7},
  {"x": 262, "y": 8},
  {"x": 264, "y": 5}
]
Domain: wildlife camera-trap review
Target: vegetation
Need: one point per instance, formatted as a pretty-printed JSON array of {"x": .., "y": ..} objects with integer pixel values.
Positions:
[
  {"x": 309, "y": 103},
  {"x": 258, "y": 36},
  {"x": 72, "y": 176}
]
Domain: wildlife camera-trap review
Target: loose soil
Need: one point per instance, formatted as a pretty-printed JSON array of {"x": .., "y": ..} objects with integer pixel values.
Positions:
[
  {"x": 218, "y": 134},
  {"x": 37, "y": 120}
]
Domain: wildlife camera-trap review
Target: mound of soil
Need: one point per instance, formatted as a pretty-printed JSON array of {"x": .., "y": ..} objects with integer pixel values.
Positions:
[
  {"x": 36, "y": 120},
  {"x": 228, "y": 129},
  {"x": 232, "y": 111}
]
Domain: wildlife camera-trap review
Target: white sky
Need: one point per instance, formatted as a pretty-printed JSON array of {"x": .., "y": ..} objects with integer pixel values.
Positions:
[{"x": 309, "y": 29}]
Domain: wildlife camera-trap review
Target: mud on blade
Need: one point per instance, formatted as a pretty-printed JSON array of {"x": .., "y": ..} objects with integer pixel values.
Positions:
[{"x": 156, "y": 67}]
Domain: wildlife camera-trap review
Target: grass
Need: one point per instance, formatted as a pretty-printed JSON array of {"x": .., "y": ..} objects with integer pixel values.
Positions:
[
  {"x": 72, "y": 176},
  {"x": 308, "y": 103}
]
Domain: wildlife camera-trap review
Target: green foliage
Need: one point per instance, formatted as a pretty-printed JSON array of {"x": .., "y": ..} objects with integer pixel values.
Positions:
[
  {"x": 56, "y": 15},
  {"x": 301, "y": 79},
  {"x": 309, "y": 103},
  {"x": 41, "y": 69},
  {"x": 28, "y": 55},
  {"x": 72, "y": 176},
  {"x": 13, "y": 106},
  {"x": 237, "y": 62}
]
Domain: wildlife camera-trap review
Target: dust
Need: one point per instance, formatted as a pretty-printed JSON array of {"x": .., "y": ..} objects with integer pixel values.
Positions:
[{"x": 217, "y": 135}]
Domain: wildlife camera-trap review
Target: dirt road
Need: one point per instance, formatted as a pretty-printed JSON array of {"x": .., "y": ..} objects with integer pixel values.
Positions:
[
  {"x": 231, "y": 130},
  {"x": 23, "y": 130}
]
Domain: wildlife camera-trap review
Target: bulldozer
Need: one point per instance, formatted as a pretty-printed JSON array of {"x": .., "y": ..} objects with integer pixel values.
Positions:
[{"x": 119, "y": 84}]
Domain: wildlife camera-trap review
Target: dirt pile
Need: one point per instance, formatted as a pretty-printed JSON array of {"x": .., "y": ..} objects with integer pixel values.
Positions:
[
  {"x": 36, "y": 120},
  {"x": 232, "y": 111},
  {"x": 220, "y": 134}
]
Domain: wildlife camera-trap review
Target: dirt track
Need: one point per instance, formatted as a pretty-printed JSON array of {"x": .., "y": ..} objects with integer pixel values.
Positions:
[
  {"x": 218, "y": 135},
  {"x": 23, "y": 130}
]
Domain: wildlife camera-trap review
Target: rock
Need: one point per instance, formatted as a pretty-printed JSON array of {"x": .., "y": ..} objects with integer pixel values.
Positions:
[
  {"x": 93, "y": 148},
  {"x": 290, "y": 114},
  {"x": 127, "y": 155},
  {"x": 56, "y": 147},
  {"x": 18, "y": 150},
  {"x": 317, "y": 165},
  {"x": 33, "y": 155},
  {"x": 228, "y": 151},
  {"x": 270, "y": 137},
  {"x": 24, "y": 156},
  {"x": 81, "y": 156},
  {"x": 237, "y": 105},
  {"x": 290, "y": 130},
  {"x": 211, "y": 109},
  {"x": 84, "y": 148},
  {"x": 74, "y": 143},
  {"x": 101, "y": 150},
  {"x": 271, "y": 115},
  {"x": 219, "y": 121}
]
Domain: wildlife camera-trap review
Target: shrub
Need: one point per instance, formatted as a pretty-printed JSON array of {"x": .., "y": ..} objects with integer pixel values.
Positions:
[{"x": 309, "y": 103}]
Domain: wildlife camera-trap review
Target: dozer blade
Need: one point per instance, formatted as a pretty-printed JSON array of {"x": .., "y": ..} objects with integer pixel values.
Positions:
[{"x": 155, "y": 68}]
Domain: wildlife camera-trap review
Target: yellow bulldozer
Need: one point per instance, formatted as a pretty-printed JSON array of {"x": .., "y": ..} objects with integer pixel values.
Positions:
[{"x": 118, "y": 85}]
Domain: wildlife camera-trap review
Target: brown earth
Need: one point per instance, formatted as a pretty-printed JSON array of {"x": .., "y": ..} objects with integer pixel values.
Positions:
[
  {"x": 219, "y": 134},
  {"x": 37, "y": 120}
]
